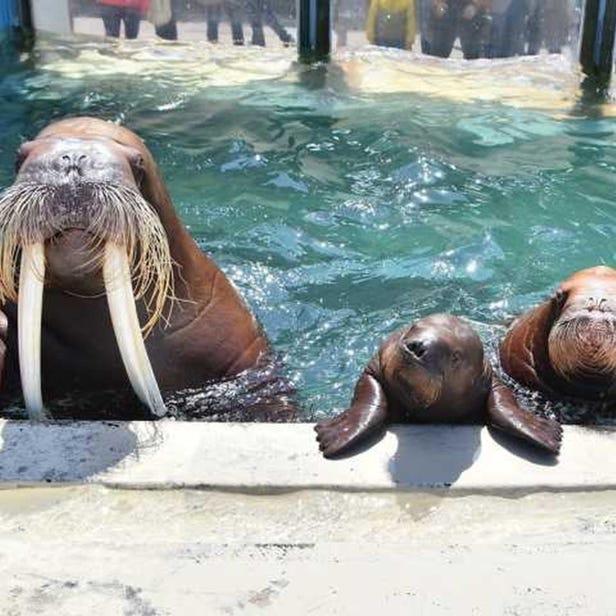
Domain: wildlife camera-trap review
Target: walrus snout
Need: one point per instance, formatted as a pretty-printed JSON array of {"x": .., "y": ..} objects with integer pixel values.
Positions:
[
  {"x": 582, "y": 347},
  {"x": 72, "y": 161}
]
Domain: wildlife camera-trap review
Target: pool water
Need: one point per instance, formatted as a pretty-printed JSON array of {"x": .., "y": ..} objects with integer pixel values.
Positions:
[{"x": 346, "y": 201}]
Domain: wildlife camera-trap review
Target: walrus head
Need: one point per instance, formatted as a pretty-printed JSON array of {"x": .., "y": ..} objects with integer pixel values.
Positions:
[
  {"x": 582, "y": 339},
  {"x": 436, "y": 364},
  {"x": 76, "y": 218}
]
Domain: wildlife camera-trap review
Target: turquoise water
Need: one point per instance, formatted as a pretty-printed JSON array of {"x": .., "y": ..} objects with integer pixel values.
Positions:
[{"x": 343, "y": 212}]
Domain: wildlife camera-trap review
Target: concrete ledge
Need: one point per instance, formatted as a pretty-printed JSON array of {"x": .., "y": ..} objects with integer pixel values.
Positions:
[{"x": 274, "y": 457}]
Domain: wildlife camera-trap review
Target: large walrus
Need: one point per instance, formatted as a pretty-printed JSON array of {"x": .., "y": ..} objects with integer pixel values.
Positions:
[
  {"x": 102, "y": 285},
  {"x": 566, "y": 346},
  {"x": 432, "y": 372}
]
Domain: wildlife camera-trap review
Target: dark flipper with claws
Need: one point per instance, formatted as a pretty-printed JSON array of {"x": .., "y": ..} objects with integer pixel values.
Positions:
[
  {"x": 365, "y": 417},
  {"x": 504, "y": 413}
]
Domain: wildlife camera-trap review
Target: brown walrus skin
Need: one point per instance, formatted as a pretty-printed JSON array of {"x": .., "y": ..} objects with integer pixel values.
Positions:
[
  {"x": 566, "y": 346},
  {"x": 209, "y": 333},
  {"x": 432, "y": 372}
]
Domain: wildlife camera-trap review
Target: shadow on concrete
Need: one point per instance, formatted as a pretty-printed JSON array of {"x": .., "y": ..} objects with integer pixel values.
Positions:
[
  {"x": 433, "y": 458},
  {"x": 66, "y": 451}
]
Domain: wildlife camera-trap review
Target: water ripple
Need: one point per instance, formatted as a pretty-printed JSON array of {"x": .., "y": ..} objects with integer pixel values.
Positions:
[{"x": 346, "y": 201}]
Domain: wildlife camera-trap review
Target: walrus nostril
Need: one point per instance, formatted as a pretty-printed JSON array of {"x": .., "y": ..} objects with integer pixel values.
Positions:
[
  {"x": 73, "y": 162},
  {"x": 416, "y": 348},
  {"x": 601, "y": 304}
]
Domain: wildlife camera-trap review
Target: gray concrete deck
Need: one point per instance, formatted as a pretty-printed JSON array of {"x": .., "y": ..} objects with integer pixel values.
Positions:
[{"x": 249, "y": 519}]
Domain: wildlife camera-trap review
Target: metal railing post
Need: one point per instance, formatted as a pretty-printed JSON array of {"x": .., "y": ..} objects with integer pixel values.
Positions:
[
  {"x": 314, "y": 30},
  {"x": 597, "y": 43}
]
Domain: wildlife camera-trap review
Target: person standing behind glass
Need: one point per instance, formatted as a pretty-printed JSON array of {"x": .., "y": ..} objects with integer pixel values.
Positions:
[
  {"x": 549, "y": 22},
  {"x": 114, "y": 12},
  {"x": 259, "y": 12},
  {"x": 161, "y": 15},
  {"x": 214, "y": 14},
  {"x": 508, "y": 28},
  {"x": 559, "y": 15},
  {"x": 442, "y": 21},
  {"x": 391, "y": 23}
]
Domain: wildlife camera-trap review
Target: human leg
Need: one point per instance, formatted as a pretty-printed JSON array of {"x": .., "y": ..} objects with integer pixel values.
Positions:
[
  {"x": 132, "y": 20},
  {"x": 111, "y": 20}
]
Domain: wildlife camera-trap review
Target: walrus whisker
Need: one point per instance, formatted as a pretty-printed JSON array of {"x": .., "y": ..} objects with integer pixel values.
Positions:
[
  {"x": 30, "y": 308},
  {"x": 32, "y": 213},
  {"x": 174, "y": 300},
  {"x": 584, "y": 347}
]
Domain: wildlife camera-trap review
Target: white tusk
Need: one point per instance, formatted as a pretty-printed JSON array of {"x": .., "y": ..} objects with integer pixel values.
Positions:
[
  {"x": 29, "y": 313},
  {"x": 116, "y": 272}
]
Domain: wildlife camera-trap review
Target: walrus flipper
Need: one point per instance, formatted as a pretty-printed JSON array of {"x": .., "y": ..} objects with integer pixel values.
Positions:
[
  {"x": 504, "y": 413},
  {"x": 365, "y": 417}
]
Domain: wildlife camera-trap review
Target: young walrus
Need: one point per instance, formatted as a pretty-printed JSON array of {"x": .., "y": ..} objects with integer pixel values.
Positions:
[{"x": 432, "y": 372}]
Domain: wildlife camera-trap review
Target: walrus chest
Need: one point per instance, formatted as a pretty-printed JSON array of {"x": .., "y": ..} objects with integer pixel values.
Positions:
[
  {"x": 77, "y": 353},
  {"x": 468, "y": 409}
]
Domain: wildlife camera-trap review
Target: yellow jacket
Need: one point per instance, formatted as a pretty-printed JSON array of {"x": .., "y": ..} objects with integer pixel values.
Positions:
[{"x": 395, "y": 10}]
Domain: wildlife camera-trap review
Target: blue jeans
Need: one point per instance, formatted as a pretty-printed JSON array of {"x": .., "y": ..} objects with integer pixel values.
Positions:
[{"x": 113, "y": 16}]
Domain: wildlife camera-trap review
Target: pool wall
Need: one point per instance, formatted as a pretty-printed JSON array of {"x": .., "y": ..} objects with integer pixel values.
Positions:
[{"x": 269, "y": 458}]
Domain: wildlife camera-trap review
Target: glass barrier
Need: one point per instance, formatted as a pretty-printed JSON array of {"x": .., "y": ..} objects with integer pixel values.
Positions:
[
  {"x": 443, "y": 28},
  {"x": 460, "y": 28},
  {"x": 236, "y": 22}
]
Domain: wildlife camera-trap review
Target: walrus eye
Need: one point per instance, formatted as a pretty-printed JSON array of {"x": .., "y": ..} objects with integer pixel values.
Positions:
[
  {"x": 560, "y": 298},
  {"x": 22, "y": 153},
  {"x": 137, "y": 165},
  {"x": 19, "y": 159},
  {"x": 136, "y": 162}
]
